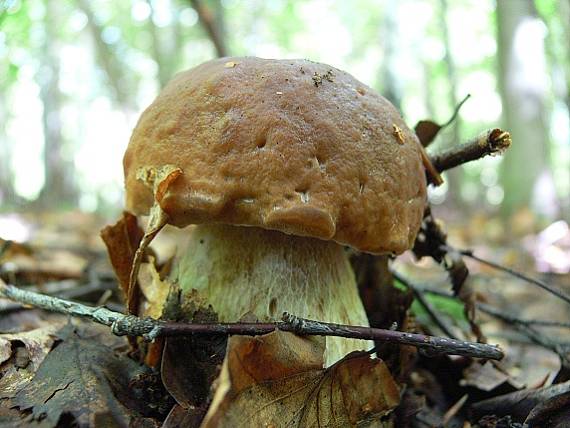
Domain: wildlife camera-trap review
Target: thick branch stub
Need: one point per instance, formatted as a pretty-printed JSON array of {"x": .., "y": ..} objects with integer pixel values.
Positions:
[{"x": 492, "y": 142}]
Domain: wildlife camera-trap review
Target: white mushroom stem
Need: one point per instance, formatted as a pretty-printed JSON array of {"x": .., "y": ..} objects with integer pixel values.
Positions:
[{"x": 246, "y": 270}]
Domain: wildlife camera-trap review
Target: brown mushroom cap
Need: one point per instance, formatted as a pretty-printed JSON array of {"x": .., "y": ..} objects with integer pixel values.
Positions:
[{"x": 288, "y": 145}]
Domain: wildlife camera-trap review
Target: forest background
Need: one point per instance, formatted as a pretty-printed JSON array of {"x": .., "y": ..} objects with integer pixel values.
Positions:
[{"x": 75, "y": 75}]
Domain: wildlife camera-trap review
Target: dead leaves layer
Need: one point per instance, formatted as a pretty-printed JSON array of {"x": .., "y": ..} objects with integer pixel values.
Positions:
[
  {"x": 81, "y": 379},
  {"x": 277, "y": 380}
]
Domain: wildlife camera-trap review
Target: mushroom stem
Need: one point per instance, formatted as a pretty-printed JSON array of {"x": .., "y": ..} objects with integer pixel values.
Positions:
[{"x": 247, "y": 270}]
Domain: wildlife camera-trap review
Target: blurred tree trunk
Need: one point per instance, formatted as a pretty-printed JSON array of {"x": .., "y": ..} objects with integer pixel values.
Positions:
[
  {"x": 428, "y": 88},
  {"x": 165, "y": 52},
  {"x": 59, "y": 185},
  {"x": 7, "y": 194},
  {"x": 522, "y": 84},
  {"x": 455, "y": 175},
  {"x": 564, "y": 7},
  {"x": 211, "y": 17},
  {"x": 108, "y": 59},
  {"x": 158, "y": 52},
  {"x": 390, "y": 39}
]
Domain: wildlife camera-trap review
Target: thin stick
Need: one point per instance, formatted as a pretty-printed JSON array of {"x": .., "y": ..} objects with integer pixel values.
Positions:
[
  {"x": 432, "y": 313},
  {"x": 525, "y": 326},
  {"x": 436, "y": 344},
  {"x": 456, "y": 111},
  {"x": 552, "y": 290},
  {"x": 151, "y": 329},
  {"x": 491, "y": 142},
  {"x": 483, "y": 307}
]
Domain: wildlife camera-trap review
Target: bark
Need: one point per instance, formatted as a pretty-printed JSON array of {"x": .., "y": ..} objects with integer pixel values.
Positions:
[{"x": 523, "y": 89}]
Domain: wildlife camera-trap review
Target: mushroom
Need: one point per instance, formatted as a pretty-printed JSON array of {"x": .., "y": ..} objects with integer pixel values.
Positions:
[{"x": 284, "y": 163}]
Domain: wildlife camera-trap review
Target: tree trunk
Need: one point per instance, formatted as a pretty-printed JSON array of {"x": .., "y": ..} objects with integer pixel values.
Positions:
[
  {"x": 522, "y": 78},
  {"x": 59, "y": 186},
  {"x": 108, "y": 60},
  {"x": 455, "y": 175},
  {"x": 211, "y": 17},
  {"x": 7, "y": 194},
  {"x": 158, "y": 49},
  {"x": 564, "y": 8},
  {"x": 389, "y": 36}
]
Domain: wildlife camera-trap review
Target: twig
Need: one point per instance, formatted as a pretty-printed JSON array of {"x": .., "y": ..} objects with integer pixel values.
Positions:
[
  {"x": 483, "y": 307},
  {"x": 490, "y": 142},
  {"x": 151, "y": 329},
  {"x": 456, "y": 111},
  {"x": 552, "y": 290},
  {"x": 432, "y": 172},
  {"x": 438, "y": 344},
  {"x": 519, "y": 403},
  {"x": 432, "y": 313},
  {"x": 507, "y": 317},
  {"x": 525, "y": 326}
]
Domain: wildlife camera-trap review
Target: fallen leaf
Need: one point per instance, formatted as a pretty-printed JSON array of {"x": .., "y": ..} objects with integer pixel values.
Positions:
[
  {"x": 43, "y": 265},
  {"x": 181, "y": 417},
  {"x": 154, "y": 290},
  {"x": 122, "y": 240},
  {"x": 552, "y": 412},
  {"x": 278, "y": 380},
  {"x": 83, "y": 379},
  {"x": 519, "y": 404},
  {"x": 426, "y": 131},
  {"x": 487, "y": 377},
  {"x": 158, "y": 179},
  {"x": 21, "y": 355},
  {"x": 191, "y": 364}
]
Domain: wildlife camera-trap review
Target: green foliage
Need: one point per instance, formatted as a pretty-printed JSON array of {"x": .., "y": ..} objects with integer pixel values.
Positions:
[
  {"x": 131, "y": 48},
  {"x": 453, "y": 309}
]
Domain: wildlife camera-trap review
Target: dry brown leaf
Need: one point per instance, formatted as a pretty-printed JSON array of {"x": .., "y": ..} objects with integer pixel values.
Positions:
[
  {"x": 278, "y": 380},
  {"x": 20, "y": 356},
  {"x": 158, "y": 179},
  {"x": 154, "y": 290},
  {"x": 44, "y": 265},
  {"x": 122, "y": 240},
  {"x": 84, "y": 380},
  {"x": 487, "y": 377},
  {"x": 426, "y": 130}
]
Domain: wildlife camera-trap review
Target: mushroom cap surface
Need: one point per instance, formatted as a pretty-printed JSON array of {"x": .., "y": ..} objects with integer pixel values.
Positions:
[{"x": 288, "y": 145}]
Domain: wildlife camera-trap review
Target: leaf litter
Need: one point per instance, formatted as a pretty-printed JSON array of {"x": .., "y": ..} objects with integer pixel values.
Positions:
[
  {"x": 81, "y": 380},
  {"x": 278, "y": 380}
]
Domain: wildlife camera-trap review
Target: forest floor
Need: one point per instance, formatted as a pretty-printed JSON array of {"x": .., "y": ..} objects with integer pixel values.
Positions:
[{"x": 42, "y": 355}]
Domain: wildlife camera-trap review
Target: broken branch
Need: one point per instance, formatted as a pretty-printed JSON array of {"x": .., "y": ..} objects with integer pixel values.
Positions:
[
  {"x": 491, "y": 142},
  {"x": 151, "y": 329}
]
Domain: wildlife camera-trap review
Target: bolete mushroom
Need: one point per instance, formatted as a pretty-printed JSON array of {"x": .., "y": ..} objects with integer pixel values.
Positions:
[{"x": 284, "y": 162}]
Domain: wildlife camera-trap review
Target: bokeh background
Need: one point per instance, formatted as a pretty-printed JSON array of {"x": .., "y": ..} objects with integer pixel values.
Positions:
[{"x": 75, "y": 75}]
